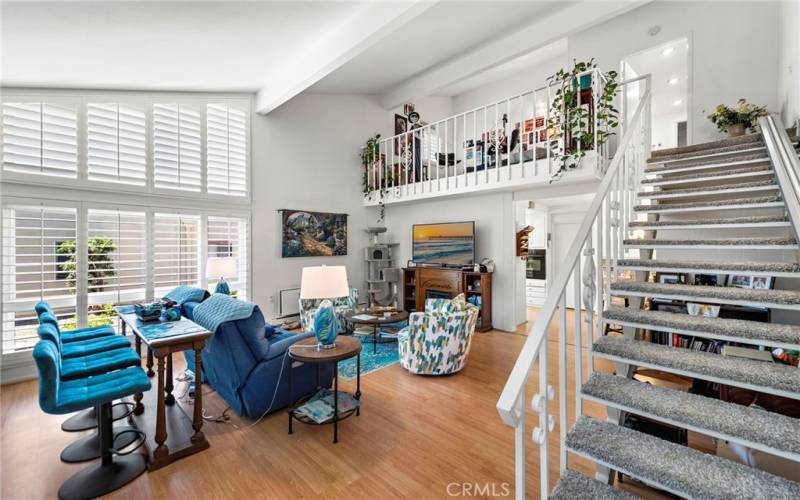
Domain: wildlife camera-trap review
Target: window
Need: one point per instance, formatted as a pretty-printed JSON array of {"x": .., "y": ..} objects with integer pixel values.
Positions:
[
  {"x": 40, "y": 138},
  {"x": 176, "y": 146},
  {"x": 176, "y": 251},
  {"x": 39, "y": 255},
  {"x": 227, "y": 238},
  {"x": 116, "y": 143},
  {"x": 226, "y": 149},
  {"x": 117, "y": 262}
]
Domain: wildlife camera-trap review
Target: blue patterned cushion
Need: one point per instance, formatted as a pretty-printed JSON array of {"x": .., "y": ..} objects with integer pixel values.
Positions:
[
  {"x": 221, "y": 308},
  {"x": 184, "y": 293}
]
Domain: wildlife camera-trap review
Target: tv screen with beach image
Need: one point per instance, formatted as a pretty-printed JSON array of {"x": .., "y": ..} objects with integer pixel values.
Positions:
[{"x": 450, "y": 243}]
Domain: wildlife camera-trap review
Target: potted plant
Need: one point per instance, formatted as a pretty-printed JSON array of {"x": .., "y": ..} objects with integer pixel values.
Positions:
[{"x": 735, "y": 121}]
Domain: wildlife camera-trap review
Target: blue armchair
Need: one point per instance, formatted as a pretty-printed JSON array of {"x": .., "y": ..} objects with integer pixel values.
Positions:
[{"x": 247, "y": 363}]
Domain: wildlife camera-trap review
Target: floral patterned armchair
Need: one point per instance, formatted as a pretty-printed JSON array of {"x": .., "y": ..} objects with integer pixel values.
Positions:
[
  {"x": 437, "y": 341},
  {"x": 342, "y": 305}
]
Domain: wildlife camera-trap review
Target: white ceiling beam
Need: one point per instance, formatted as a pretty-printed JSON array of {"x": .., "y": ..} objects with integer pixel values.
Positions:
[
  {"x": 547, "y": 30},
  {"x": 363, "y": 29}
]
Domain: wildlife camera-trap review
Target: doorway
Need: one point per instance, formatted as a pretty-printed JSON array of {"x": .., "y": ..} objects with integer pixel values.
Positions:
[{"x": 668, "y": 66}]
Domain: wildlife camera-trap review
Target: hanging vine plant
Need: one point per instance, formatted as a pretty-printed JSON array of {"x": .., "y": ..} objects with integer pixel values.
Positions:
[
  {"x": 371, "y": 158},
  {"x": 571, "y": 127}
]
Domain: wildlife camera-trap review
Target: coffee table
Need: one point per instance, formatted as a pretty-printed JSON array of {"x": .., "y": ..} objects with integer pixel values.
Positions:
[{"x": 376, "y": 321}]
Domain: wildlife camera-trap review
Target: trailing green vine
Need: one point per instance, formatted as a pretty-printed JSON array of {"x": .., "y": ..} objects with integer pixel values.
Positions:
[{"x": 570, "y": 128}]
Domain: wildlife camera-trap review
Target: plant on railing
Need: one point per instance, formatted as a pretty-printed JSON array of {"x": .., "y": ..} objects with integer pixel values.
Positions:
[
  {"x": 571, "y": 129},
  {"x": 736, "y": 120},
  {"x": 369, "y": 155},
  {"x": 371, "y": 159}
]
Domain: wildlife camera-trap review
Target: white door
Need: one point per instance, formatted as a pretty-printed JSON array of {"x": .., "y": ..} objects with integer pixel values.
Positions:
[{"x": 564, "y": 235}]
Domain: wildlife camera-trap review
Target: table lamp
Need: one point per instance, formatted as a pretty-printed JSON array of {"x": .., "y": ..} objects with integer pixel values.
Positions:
[
  {"x": 222, "y": 267},
  {"x": 324, "y": 282}
]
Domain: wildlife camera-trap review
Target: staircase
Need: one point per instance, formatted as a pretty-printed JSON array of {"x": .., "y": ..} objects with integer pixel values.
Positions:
[{"x": 728, "y": 207}]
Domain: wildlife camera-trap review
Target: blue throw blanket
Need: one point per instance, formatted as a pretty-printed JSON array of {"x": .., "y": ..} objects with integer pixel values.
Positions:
[
  {"x": 184, "y": 293},
  {"x": 221, "y": 308}
]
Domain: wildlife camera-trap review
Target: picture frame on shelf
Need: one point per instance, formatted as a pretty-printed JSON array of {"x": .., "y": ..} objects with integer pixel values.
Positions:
[
  {"x": 752, "y": 282},
  {"x": 670, "y": 278}
]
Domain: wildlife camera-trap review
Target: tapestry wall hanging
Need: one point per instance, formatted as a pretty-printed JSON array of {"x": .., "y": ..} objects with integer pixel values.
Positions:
[{"x": 313, "y": 234}]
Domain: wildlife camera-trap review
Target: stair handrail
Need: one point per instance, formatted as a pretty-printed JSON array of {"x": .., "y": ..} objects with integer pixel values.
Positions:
[
  {"x": 610, "y": 211},
  {"x": 786, "y": 165}
]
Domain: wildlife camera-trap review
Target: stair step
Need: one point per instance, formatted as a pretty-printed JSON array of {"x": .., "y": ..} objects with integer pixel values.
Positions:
[
  {"x": 747, "y": 141},
  {"x": 721, "y": 223},
  {"x": 733, "y": 330},
  {"x": 575, "y": 486},
  {"x": 742, "y": 187},
  {"x": 743, "y": 161},
  {"x": 735, "y": 204},
  {"x": 779, "y": 299},
  {"x": 710, "y": 176},
  {"x": 772, "y": 378},
  {"x": 678, "y": 469},
  {"x": 728, "y": 152},
  {"x": 750, "y": 426},
  {"x": 782, "y": 269},
  {"x": 716, "y": 243}
]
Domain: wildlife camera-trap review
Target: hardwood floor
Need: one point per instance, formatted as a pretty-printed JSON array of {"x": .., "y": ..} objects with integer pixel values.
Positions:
[{"x": 416, "y": 437}]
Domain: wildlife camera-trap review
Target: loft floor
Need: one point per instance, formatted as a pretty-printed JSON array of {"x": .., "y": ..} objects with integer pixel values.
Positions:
[{"x": 415, "y": 436}]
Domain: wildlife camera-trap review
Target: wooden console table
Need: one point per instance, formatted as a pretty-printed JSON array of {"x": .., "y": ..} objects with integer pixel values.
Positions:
[
  {"x": 421, "y": 282},
  {"x": 162, "y": 339}
]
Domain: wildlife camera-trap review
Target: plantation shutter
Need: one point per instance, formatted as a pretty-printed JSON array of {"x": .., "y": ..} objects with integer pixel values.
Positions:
[
  {"x": 176, "y": 251},
  {"x": 40, "y": 138},
  {"x": 176, "y": 146},
  {"x": 116, "y": 143},
  {"x": 38, "y": 264},
  {"x": 227, "y": 239},
  {"x": 226, "y": 149},
  {"x": 116, "y": 267}
]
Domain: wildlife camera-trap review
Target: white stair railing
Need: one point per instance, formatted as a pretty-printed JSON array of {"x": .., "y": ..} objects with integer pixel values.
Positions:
[
  {"x": 591, "y": 262},
  {"x": 786, "y": 164},
  {"x": 470, "y": 150}
]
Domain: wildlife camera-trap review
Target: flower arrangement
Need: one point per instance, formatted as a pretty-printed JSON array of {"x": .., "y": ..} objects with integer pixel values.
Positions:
[{"x": 736, "y": 120}]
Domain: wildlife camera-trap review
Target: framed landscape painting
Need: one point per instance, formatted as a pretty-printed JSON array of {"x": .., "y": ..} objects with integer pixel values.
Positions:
[{"x": 313, "y": 234}]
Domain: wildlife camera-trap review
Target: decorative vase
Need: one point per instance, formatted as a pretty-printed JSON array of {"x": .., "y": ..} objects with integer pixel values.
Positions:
[
  {"x": 222, "y": 287},
  {"x": 326, "y": 326},
  {"x": 736, "y": 130}
]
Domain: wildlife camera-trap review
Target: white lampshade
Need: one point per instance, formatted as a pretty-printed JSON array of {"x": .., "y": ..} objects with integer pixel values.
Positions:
[
  {"x": 324, "y": 282},
  {"x": 222, "y": 267}
]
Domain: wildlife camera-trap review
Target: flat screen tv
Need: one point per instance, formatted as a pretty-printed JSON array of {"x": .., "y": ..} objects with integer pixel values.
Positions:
[{"x": 450, "y": 243}]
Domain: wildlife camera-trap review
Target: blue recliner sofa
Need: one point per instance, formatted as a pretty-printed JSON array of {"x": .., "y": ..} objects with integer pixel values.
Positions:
[{"x": 246, "y": 362}]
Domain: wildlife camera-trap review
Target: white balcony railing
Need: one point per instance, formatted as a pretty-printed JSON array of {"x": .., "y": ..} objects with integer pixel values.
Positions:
[
  {"x": 591, "y": 262},
  {"x": 506, "y": 143}
]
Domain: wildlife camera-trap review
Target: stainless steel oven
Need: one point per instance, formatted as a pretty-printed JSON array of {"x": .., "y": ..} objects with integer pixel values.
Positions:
[{"x": 536, "y": 268}]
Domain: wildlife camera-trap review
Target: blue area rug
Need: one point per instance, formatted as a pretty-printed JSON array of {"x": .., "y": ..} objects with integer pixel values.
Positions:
[{"x": 387, "y": 355}]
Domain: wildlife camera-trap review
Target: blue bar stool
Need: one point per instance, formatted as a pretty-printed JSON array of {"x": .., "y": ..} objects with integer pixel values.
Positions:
[
  {"x": 120, "y": 355},
  {"x": 59, "y": 397}
]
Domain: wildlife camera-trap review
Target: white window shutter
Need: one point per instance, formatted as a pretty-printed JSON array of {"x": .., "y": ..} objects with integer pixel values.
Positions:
[
  {"x": 176, "y": 146},
  {"x": 176, "y": 251},
  {"x": 227, "y": 239},
  {"x": 40, "y": 138},
  {"x": 116, "y": 142},
  {"x": 226, "y": 149}
]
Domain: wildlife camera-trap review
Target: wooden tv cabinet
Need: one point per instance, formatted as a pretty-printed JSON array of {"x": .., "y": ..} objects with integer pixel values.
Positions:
[{"x": 420, "y": 283}]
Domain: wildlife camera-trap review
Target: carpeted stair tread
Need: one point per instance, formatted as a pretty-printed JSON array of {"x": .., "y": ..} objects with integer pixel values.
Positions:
[
  {"x": 736, "y": 328},
  {"x": 575, "y": 486},
  {"x": 710, "y": 204},
  {"x": 751, "y": 140},
  {"x": 705, "y": 162},
  {"x": 759, "y": 267},
  {"x": 710, "y": 293},
  {"x": 678, "y": 468},
  {"x": 752, "y": 424},
  {"x": 702, "y": 175},
  {"x": 702, "y": 189},
  {"x": 733, "y": 242},
  {"x": 712, "y": 151},
  {"x": 702, "y": 364},
  {"x": 708, "y": 222}
]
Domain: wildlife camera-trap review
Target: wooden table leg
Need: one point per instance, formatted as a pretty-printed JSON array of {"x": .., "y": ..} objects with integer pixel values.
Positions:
[
  {"x": 197, "y": 422},
  {"x": 169, "y": 386},
  {"x": 161, "y": 451},
  {"x": 137, "y": 398},
  {"x": 150, "y": 372}
]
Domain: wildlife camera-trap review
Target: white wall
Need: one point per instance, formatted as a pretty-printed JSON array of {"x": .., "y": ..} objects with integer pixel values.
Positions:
[
  {"x": 494, "y": 221},
  {"x": 664, "y": 130},
  {"x": 734, "y": 50},
  {"x": 305, "y": 156},
  {"x": 789, "y": 61}
]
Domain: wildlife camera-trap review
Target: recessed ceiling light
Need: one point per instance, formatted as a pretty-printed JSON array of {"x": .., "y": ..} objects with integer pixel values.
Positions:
[
  {"x": 668, "y": 51},
  {"x": 678, "y": 102},
  {"x": 673, "y": 81}
]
